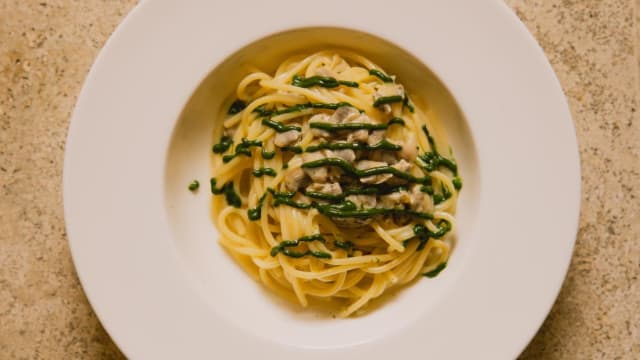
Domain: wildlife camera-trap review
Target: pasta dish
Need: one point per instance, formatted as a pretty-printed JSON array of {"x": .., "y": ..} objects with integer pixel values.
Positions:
[{"x": 331, "y": 182}]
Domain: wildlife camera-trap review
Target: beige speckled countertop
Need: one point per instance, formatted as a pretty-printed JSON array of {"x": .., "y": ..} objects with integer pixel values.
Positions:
[{"x": 47, "y": 47}]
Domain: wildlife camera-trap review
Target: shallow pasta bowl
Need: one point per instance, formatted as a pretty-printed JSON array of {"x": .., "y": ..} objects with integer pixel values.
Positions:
[{"x": 145, "y": 248}]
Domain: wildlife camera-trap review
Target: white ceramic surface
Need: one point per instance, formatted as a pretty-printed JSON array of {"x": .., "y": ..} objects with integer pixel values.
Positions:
[{"x": 145, "y": 248}]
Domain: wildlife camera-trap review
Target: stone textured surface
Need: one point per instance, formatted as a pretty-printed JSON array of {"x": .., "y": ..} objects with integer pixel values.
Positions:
[
  {"x": 47, "y": 47},
  {"x": 593, "y": 47}
]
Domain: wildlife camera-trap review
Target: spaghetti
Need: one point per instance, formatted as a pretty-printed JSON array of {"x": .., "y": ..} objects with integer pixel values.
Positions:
[{"x": 330, "y": 182}]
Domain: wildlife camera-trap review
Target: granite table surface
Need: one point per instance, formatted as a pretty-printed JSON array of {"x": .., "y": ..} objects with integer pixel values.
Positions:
[{"x": 47, "y": 47}]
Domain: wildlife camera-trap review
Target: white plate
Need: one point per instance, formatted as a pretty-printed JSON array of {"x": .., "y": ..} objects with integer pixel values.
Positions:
[{"x": 144, "y": 247}]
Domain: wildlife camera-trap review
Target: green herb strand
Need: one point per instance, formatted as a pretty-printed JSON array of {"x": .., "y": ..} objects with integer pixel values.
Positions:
[
  {"x": 229, "y": 192},
  {"x": 424, "y": 234},
  {"x": 388, "y": 100},
  {"x": 264, "y": 171},
  {"x": 323, "y": 81},
  {"x": 283, "y": 246},
  {"x": 244, "y": 148},
  {"x": 433, "y": 273},
  {"x": 331, "y": 127},
  {"x": 347, "y": 209},
  {"x": 215, "y": 190},
  {"x": 428, "y": 189},
  {"x": 261, "y": 111},
  {"x": 286, "y": 199},
  {"x": 236, "y": 107},
  {"x": 348, "y": 168},
  {"x": 256, "y": 213},
  {"x": 296, "y": 254},
  {"x": 224, "y": 145},
  {"x": 407, "y": 104},
  {"x": 354, "y": 191},
  {"x": 194, "y": 185},
  {"x": 380, "y": 75},
  {"x": 344, "y": 209},
  {"x": 457, "y": 182},
  {"x": 433, "y": 160},
  {"x": 323, "y": 196},
  {"x": 384, "y": 144},
  {"x": 280, "y": 127},
  {"x": 268, "y": 155}
]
